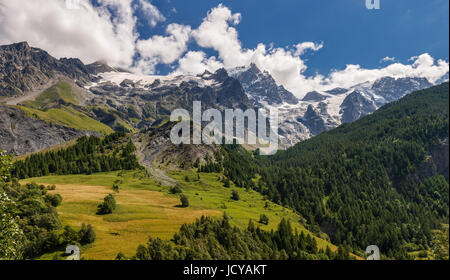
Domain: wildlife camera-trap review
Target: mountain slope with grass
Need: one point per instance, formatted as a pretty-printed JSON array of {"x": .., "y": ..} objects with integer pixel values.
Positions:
[
  {"x": 23, "y": 133},
  {"x": 53, "y": 117}
]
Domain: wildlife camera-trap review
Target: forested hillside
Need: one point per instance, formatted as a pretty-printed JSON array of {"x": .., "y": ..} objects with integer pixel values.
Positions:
[
  {"x": 29, "y": 223},
  {"x": 377, "y": 181},
  {"x": 89, "y": 155},
  {"x": 213, "y": 239},
  {"x": 382, "y": 180}
]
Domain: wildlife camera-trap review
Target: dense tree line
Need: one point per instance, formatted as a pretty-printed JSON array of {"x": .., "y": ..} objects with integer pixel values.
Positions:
[
  {"x": 37, "y": 227},
  {"x": 211, "y": 166},
  {"x": 29, "y": 223},
  {"x": 216, "y": 239},
  {"x": 362, "y": 183},
  {"x": 89, "y": 155}
]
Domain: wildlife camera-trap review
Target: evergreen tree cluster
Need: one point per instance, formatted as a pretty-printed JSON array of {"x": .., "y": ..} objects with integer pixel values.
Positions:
[
  {"x": 38, "y": 222},
  {"x": 108, "y": 205},
  {"x": 216, "y": 239},
  {"x": 89, "y": 155},
  {"x": 210, "y": 167}
]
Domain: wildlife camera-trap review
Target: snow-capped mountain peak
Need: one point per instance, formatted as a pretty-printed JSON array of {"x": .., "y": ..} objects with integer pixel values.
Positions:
[
  {"x": 261, "y": 87},
  {"x": 322, "y": 110}
]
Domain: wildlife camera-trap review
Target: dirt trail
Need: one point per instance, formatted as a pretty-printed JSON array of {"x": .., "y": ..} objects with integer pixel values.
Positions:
[
  {"x": 29, "y": 95},
  {"x": 159, "y": 174}
]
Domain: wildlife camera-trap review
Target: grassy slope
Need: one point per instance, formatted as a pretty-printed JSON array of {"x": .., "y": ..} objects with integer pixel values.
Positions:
[
  {"x": 62, "y": 115},
  {"x": 61, "y": 91},
  {"x": 117, "y": 115},
  {"x": 67, "y": 116},
  {"x": 147, "y": 209}
]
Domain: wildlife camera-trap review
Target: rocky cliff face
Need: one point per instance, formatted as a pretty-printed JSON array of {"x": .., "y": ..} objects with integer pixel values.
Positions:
[
  {"x": 24, "y": 69},
  {"x": 391, "y": 89},
  {"x": 21, "y": 135},
  {"x": 261, "y": 88},
  {"x": 319, "y": 111},
  {"x": 313, "y": 121},
  {"x": 314, "y": 96},
  {"x": 355, "y": 106},
  {"x": 152, "y": 98}
]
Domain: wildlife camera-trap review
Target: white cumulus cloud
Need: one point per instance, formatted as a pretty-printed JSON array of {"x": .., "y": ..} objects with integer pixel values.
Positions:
[
  {"x": 303, "y": 47},
  {"x": 153, "y": 15},
  {"x": 218, "y": 32},
  {"x": 196, "y": 62},
  {"x": 163, "y": 49},
  {"x": 387, "y": 59},
  {"x": 84, "y": 31},
  {"x": 108, "y": 31}
]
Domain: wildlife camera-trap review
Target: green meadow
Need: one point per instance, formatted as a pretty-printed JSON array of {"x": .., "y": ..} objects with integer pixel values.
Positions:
[
  {"x": 62, "y": 91},
  {"x": 67, "y": 116},
  {"x": 145, "y": 208},
  {"x": 47, "y": 107}
]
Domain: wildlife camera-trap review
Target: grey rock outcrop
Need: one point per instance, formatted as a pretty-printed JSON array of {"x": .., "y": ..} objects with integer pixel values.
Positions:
[
  {"x": 314, "y": 96},
  {"x": 21, "y": 135},
  {"x": 24, "y": 69},
  {"x": 261, "y": 87},
  {"x": 356, "y": 106}
]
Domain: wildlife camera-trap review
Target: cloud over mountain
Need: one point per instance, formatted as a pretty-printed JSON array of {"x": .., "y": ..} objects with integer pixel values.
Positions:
[{"x": 108, "y": 31}]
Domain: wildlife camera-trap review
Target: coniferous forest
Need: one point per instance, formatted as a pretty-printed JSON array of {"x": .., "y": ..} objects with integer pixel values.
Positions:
[
  {"x": 89, "y": 155},
  {"x": 370, "y": 182},
  {"x": 216, "y": 239}
]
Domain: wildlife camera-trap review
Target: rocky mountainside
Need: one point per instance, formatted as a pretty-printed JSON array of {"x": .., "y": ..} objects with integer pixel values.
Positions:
[
  {"x": 150, "y": 99},
  {"x": 355, "y": 106},
  {"x": 261, "y": 88},
  {"x": 24, "y": 69},
  {"x": 155, "y": 149},
  {"x": 117, "y": 98},
  {"x": 156, "y": 153},
  {"x": 21, "y": 135},
  {"x": 320, "y": 111},
  {"x": 126, "y": 101}
]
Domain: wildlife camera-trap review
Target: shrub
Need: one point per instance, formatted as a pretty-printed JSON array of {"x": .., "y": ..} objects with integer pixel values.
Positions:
[
  {"x": 121, "y": 257},
  {"x": 263, "y": 219},
  {"x": 235, "y": 196},
  {"x": 108, "y": 205},
  {"x": 142, "y": 253},
  {"x": 69, "y": 236},
  {"x": 87, "y": 234},
  {"x": 184, "y": 201},
  {"x": 176, "y": 190},
  {"x": 54, "y": 199},
  {"x": 227, "y": 183}
]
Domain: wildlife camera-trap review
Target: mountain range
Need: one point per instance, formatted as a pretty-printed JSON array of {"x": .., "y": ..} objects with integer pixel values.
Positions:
[
  {"x": 367, "y": 164},
  {"x": 125, "y": 101}
]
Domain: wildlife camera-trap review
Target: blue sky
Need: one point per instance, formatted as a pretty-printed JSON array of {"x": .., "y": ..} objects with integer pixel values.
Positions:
[
  {"x": 351, "y": 33},
  {"x": 304, "y": 44}
]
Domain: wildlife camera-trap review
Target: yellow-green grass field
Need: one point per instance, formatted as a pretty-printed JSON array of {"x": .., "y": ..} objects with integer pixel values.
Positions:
[
  {"x": 67, "y": 116},
  {"x": 61, "y": 91},
  {"x": 145, "y": 208}
]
